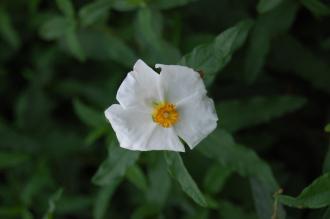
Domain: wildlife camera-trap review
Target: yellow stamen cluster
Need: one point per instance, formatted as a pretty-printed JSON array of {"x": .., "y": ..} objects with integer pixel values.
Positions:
[{"x": 165, "y": 114}]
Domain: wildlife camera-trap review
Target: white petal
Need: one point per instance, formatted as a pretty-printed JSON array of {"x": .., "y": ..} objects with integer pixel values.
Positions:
[
  {"x": 135, "y": 130},
  {"x": 180, "y": 82},
  {"x": 140, "y": 87},
  {"x": 198, "y": 119}
]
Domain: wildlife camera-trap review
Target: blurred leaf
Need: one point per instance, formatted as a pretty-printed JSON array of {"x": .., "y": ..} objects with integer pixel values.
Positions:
[
  {"x": 179, "y": 172},
  {"x": 290, "y": 56},
  {"x": 228, "y": 210},
  {"x": 168, "y": 4},
  {"x": 159, "y": 183},
  {"x": 73, "y": 43},
  {"x": 104, "y": 195},
  {"x": 11, "y": 159},
  {"x": 316, "y": 195},
  {"x": 7, "y": 31},
  {"x": 317, "y": 7},
  {"x": 104, "y": 46},
  {"x": 128, "y": 5},
  {"x": 264, "y": 201},
  {"x": 115, "y": 165},
  {"x": 52, "y": 204},
  {"x": 327, "y": 128},
  {"x": 326, "y": 214},
  {"x": 66, "y": 8},
  {"x": 267, "y": 5},
  {"x": 89, "y": 116},
  {"x": 148, "y": 28},
  {"x": 92, "y": 12},
  {"x": 221, "y": 146},
  {"x": 267, "y": 26},
  {"x": 239, "y": 114},
  {"x": 212, "y": 57},
  {"x": 135, "y": 175},
  {"x": 54, "y": 28},
  {"x": 73, "y": 203},
  {"x": 216, "y": 177}
]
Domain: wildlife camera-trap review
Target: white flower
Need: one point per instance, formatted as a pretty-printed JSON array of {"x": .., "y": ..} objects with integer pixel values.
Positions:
[{"x": 156, "y": 110}]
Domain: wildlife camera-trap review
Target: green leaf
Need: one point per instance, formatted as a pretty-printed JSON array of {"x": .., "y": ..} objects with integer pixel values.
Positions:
[
  {"x": 316, "y": 195},
  {"x": 92, "y": 12},
  {"x": 228, "y": 210},
  {"x": 317, "y": 7},
  {"x": 216, "y": 177},
  {"x": 264, "y": 202},
  {"x": 54, "y": 28},
  {"x": 327, "y": 128},
  {"x": 89, "y": 116},
  {"x": 136, "y": 176},
  {"x": 221, "y": 146},
  {"x": 159, "y": 183},
  {"x": 52, "y": 204},
  {"x": 7, "y": 30},
  {"x": 115, "y": 165},
  {"x": 168, "y": 4},
  {"x": 128, "y": 5},
  {"x": 267, "y": 26},
  {"x": 103, "y": 197},
  {"x": 239, "y": 114},
  {"x": 267, "y": 5},
  {"x": 291, "y": 56},
  {"x": 11, "y": 159},
  {"x": 148, "y": 27},
  {"x": 66, "y": 8},
  {"x": 104, "y": 45},
  {"x": 212, "y": 57},
  {"x": 73, "y": 43},
  {"x": 179, "y": 172}
]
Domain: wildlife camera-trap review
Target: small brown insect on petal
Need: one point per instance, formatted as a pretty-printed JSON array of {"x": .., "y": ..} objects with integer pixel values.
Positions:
[{"x": 201, "y": 73}]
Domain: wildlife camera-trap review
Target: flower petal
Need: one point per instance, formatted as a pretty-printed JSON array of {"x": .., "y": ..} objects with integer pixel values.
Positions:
[
  {"x": 180, "y": 82},
  {"x": 198, "y": 119},
  {"x": 140, "y": 87},
  {"x": 135, "y": 130}
]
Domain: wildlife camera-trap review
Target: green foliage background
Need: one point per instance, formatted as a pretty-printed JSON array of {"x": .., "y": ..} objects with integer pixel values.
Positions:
[{"x": 266, "y": 65}]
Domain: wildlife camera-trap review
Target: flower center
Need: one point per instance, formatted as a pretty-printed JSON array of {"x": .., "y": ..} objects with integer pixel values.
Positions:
[{"x": 165, "y": 114}]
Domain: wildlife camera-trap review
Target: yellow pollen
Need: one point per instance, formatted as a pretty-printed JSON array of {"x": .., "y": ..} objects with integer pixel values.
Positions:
[{"x": 165, "y": 114}]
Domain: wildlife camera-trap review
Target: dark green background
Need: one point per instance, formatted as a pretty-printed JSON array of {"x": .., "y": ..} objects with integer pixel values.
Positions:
[{"x": 62, "y": 61}]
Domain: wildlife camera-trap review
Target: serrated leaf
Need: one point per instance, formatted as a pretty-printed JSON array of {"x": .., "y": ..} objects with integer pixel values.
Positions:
[
  {"x": 179, "y": 172},
  {"x": 267, "y": 5},
  {"x": 115, "y": 165},
  {"x": 212, "y": 57},
  {"x": 317, "y": 7},
  {"x": 94, "y": 11},
  {"x": 135, "y": 175},
  {"x": 89, "y": 116},
  {"x": 316, "y": 195},
  {"x": 239, "y": 114},
  {"x": 66, "y": 8}
]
